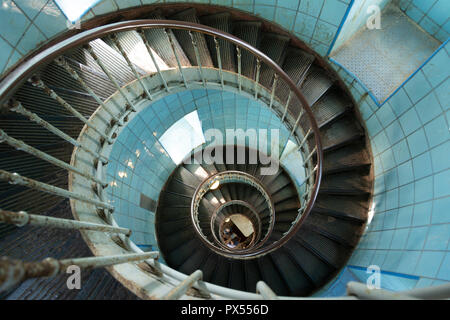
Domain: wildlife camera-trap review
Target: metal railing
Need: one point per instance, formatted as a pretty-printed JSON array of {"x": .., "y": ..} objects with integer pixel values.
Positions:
[{"x": 296, "y": 110}]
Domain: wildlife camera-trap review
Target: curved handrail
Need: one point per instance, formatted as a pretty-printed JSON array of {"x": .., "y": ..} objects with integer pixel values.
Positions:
[{"x": 25, "y": 70}]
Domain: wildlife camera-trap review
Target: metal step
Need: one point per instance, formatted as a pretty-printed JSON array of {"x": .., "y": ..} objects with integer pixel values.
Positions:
[
  {"x": 249, "y": 31},
  {"x": 274, "y": 46}
]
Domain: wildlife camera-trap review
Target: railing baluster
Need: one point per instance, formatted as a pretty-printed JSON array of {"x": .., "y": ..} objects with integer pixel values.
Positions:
[
  {"x": 258, "y": 71},
  {"x": 23, "y": 218},
  {"x": 17, "y": 107},
  {"x": 238, "y": 52},
  {"x": 310, "y": 155},
  {"x": 287, "y": 105},
  {"x": 185, "y": 285},
  {"x": 272, "y": 95},
  {"x": 109, "y": 75},
  {"x": 37, "y": 82},
  {"x": 296, "y": 122},
  {"x": 63, "y": 63},
  {"x": 263, "y": 289},
  {"x": 304, "y": 139},
  {"x": 219, "y": 61},
  {"x": 20, "y": 145},
  {"x": 172, "y": 44},
  {"x": 197, "y": 57},
  {"x": 150, "y": 52},
  {"x": 16, "y": 271},
  {"x": 131, "y": 65},
  {"x": 15, "y": 178}
]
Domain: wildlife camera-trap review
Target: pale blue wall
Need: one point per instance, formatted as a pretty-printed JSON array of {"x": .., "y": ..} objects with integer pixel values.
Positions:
[
  {"x": 409, "y": 234},
  {"x": 431, "y": 15}
]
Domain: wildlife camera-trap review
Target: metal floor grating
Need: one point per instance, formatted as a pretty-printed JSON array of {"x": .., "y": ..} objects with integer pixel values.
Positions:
[{"x": 383, "y": 59}]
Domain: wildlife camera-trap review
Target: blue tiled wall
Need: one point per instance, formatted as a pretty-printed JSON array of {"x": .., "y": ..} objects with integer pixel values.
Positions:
[
  {"x": 431, "y": 15},
  {"x": 409, "y": 234}
]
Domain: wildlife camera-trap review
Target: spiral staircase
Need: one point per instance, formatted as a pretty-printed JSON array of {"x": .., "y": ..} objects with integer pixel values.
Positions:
[{"x": 64, "y": 108}]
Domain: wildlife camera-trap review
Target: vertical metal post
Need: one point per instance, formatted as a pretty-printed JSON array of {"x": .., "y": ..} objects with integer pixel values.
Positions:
[
  {"x": 287, "y": 105},
  {"x": 172, "y": 44},
  {"x": 258, "y": 70},
  {"x": 238, "y": 52},
  {"x": 150, "y": 52},
  {"x": 109, "y": 75},
  {"x": 197, "y": 57},
  {"x": 272, "y": 95},
  {"x": 184, "y": 286},
  {"x": 219, "y": 61},
  {"x": 131, "y": 65}
]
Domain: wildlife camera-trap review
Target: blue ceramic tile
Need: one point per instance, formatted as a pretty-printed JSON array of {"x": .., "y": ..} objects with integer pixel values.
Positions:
[
  {"x": 391, "y": 179},
  {"x": 31, "y": 40},
  {"x": 410, "y": 121},
  {"x": 324, "y": 32},
  {"x": 289, "y": 4},
  {"x": 401, "y": 152},
  {"x": 422, "y": 213},
  {"x": 392, "y": 261},
  {"x": 387, "y": 159},
  {"x": 422, "y": 166},
  {"x": 5, "y": 53},
  {"x": 13, "y": 22},
  {"x": 51, "y": 20},
  {"x": 439, "y": 11},
  {"x": 406, "y": 195},
  {"x": 423, "y": 5},
  {"x": 31, "y": 7},
  {"x": 404, "y": 218},
  {"x": 417, "y": 142},
  {"x": 441, "y": 184},
  {"x": 417, "y": 87},
  {"x": 440, "y": 212},
  {"x": 311, "y": 7},
  {"x": 417, "y": 237},
  {"x": 304, "y": 24},
  {"x": 438, "y": 237},
  {"x": 333, "y": 11},
  {"x": 414, "y": 13},
  {"x": 408, "y": 262},
  {"x": 381, "y": 141},
  {"x": 390, "y": 219},
  {"x": 429, "y": 25},
  {"x": 394, "y": 132},
  {"x": 429, "y": 263},
  {"x": 438, "y": 68},
  {"x": 444, "y": 271},
  {"x": 400, "y": 238},
  {"x": 400, "y": 102},
  {"x": 428, "y": 108},
  {"x": 285, "y": 18},
  {"x": 123, "y": 4},
  {"x": 266, "y": 12},
  {"x": 423, "y": 189},
  {"x": 405, "y": 173},
  {"x": 437, "y": 131},
  {"x": 440, "y": 156}
]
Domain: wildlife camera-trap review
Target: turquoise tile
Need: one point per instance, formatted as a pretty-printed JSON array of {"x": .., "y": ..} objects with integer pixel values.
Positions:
[
  {"x": 424, "y": 282},
  {"x": 289, "y": 4},
  {"x": 410, "y": 121},
  {"x": 324, "y": 32},
  {"x": 319, "y": 47},
  {"x": 404, "y": 218},
  {"x": 379, "y": 257},
  {"x": 429, "y": 263},
  {"x": 123, "y": 4},
  {"x": 285, "y": 18},
  {"x": 13, "y": 59},
  {"x": 333, "y": 11},
  {"x": 438, "y": 68},
  {"x": 5, "y": 53},
  {"x": 266, "y": 12},
  {"x": 392, "y": 261},
  {"x": 392, "y": 199},
  {"x": 406, "y": 194},
  {"x": 51, "y": 20},
  {"x": 417, "y": 142},
  {"x": 400, "y": 102},
  {"x": 304, "y": 24},
  {"x": 417, "y": 87},
  {"x": 401, "y": 151},
  {"x": 417, "y": 237},
  {"x": 394, "y": 132},
  {"x": 391, "y": 179},
  {"x": 390, "y": 219},
  {"x": 405, "y": 173},
  {"x": 444, "y": 271},
  {"x": 13, "y": 22},
  {"x": 311, "y": 7},
  {"x": 438, "y": 237},
  {"x": 414, "y": 13},
  {"x": 408, "y": 262},
  {"x": 31, "y": 40},
  {"x": 387, "y": 159},
  {"x": 31, "y": 7},
  {"x": 439, "y": 11},
  {"x": 381, "y": 141},
  {"x": 442, "y": 184},
  {"x": 440, "y": 156},
  {"x": 422, "y": 166},
  {"x": 429, "y": 25},
  {"x": 437, "y": 131},
  {"x": 423, "y": 189},
  {"x": 422, "y": 213},
  {"x": 400, "y": 238},
  {"x": 443, "y": 94},
  {"x": 428, "y": 108}
]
